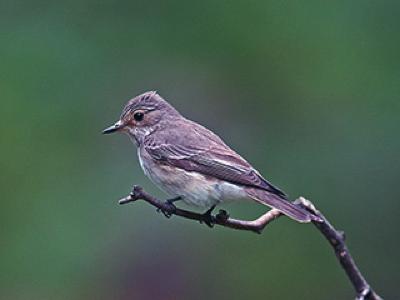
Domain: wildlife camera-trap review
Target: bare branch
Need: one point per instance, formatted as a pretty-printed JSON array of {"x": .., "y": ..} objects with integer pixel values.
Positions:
[{"x": 335, "y": 238}]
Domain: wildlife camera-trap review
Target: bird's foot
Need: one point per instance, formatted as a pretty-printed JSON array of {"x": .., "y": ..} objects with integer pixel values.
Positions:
[
  {"x": 169, "y": 207},
  {"x": 208, "y": 218},
  {"x": 222, "y": 215}
]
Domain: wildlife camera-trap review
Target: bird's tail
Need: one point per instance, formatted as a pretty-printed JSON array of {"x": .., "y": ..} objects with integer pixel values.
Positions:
[{"x": 286, "y": 207}]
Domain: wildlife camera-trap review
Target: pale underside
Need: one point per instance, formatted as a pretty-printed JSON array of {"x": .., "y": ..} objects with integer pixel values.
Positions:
[{"x": 194, "y": 188}]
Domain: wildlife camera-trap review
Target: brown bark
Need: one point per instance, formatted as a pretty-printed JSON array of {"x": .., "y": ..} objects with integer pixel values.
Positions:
[{"x": 335, "y": 238}]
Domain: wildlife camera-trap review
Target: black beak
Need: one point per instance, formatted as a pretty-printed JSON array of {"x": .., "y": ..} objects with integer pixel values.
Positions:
[{"x": 113, "y": 128}]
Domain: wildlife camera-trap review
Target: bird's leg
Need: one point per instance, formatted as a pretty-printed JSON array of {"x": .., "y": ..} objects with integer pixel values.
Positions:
[
  {"x": 208, "y": 218},
  {"x": 168, "y": 206},
  {"x": 172, "y": 200}
]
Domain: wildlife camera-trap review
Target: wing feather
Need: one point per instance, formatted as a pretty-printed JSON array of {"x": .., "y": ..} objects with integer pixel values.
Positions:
[{"x": 216, "y": 160}]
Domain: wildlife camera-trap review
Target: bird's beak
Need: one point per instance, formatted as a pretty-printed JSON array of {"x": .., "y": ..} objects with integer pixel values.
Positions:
[{"x": 113, "y": 128}]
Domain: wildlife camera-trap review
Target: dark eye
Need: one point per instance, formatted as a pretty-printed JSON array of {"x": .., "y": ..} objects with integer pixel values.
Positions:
[{"x": 138, "y": 116}]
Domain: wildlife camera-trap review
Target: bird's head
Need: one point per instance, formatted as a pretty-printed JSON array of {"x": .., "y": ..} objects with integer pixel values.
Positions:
[{"x": 142, "y": 114}]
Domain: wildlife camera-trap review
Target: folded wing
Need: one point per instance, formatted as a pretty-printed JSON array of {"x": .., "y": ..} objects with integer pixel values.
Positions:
[{"x": 215, "y": 160}]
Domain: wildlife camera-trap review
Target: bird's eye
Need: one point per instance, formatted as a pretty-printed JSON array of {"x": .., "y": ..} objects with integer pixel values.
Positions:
[{"x": 138, "y": 116}]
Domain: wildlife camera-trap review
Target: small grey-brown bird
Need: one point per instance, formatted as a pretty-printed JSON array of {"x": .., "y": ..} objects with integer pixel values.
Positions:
[{"x": 191, "y": 163}]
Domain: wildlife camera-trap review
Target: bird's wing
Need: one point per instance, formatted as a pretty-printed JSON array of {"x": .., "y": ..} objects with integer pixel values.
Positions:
[{"x": 211, "y": 159}]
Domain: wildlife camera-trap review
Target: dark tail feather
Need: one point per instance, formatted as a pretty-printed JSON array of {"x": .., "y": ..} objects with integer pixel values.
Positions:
[{"x": 286, "y": 207}]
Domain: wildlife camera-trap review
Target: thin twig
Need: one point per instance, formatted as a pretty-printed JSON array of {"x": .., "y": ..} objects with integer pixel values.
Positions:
[{"x": 335, "y": 238}]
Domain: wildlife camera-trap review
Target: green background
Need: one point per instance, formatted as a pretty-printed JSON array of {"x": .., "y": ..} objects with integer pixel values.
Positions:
[{"x": 307, "y": 91}]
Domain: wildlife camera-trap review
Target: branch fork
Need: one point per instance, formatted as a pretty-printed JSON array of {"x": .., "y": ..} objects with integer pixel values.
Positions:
[{"x": 335, "y": 237}]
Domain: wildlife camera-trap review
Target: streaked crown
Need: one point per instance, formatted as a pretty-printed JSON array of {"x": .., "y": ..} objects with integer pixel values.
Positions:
[{"x": 149, "y": 101}]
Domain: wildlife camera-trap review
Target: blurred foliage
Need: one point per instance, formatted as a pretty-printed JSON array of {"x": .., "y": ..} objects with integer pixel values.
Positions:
[{"x": 306, "y": 91}]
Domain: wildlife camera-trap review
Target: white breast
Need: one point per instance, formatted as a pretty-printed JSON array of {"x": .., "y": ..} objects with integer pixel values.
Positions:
[
  {"x": 195, "y": 188},
  {"x": 142, "y": 165}
]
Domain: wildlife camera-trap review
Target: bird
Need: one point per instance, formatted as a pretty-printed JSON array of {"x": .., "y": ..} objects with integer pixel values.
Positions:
[{"x": 193, "y": 164}]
